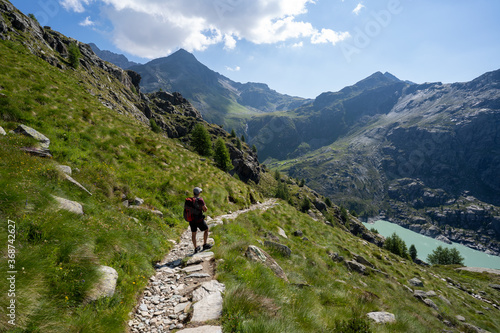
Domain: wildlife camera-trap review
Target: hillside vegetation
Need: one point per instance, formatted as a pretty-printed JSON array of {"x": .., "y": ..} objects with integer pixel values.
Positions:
[{"x": 118, "y": 158}]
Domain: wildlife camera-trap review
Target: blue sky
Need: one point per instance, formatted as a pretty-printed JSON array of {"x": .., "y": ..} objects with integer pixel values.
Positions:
[{"x": 297, "y": 47}]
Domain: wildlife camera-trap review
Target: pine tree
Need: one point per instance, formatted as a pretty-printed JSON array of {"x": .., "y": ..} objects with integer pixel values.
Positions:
[
  {"x": 233, "y": 134},
  {"x": 445, "y": 256},
  {"x": 413, "y": 252},
  {"x": 254, "y": 148},
  {"x": 396, "y": 245},
  {"x": 200, "y": 140},
  {"x": 242, "y": 138},
  {"x": 238, "y": 143},
  {"x": 221, "y": 156}
]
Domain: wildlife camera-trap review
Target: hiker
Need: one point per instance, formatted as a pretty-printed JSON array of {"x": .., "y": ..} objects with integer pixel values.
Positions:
[{"x": 198, "y": 221}]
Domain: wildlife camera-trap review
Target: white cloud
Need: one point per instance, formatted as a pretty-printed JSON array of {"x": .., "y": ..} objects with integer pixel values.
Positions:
[
  {"x": 235, "y": 69},
  {"x": 87, "y": 22},
  {"x": 153, "y": 28},
  {"x": 75, "y": 5},
  {"x": 358, "y": 8},
  {"x": 329, "y": 36},
  {"x": 299, "y": 44}
]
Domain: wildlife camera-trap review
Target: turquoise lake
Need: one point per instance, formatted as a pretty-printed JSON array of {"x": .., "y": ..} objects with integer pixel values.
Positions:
[{"x": 425, "y": 245}]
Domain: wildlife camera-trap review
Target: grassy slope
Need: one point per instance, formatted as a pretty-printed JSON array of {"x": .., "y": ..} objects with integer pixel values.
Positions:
[
  {"x": 58, "y": 252},
  {"x": 258, "y": 301}
]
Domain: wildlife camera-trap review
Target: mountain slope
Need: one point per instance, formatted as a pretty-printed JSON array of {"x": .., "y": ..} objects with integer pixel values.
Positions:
[
  {"x": 424, "y": 156},
  {"x": 92, "y": 116},
  {"x": 220, "y": 100},
  {"x": 118, "y": 59}
]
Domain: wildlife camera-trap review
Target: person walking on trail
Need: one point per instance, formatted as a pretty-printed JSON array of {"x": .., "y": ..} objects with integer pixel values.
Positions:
[{"x": 198, "y": 221}]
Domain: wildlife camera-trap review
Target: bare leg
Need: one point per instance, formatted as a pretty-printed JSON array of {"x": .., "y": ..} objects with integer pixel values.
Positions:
[
  {"x": 193, "y": 237},
  {"x": 205, "y": 237}
]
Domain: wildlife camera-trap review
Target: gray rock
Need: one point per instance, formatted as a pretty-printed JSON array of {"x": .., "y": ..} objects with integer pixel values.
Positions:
[
  {"x": 282, "y": 233},
  {"x": 32, "y": 133},
  {"x": 494, "y": 286},
  {"x": 71, "y": 180},
  {"x": 200, "y": 257},
  {"x": 193, "y": 268},
  {"x": 430, "y": 303},
  {"x": 298, "y": 233},
  {"x": 106, "y": 285},
  {"x": 2, "y": 131},
  {"x": 208, "y": 288},
  {"x": 64, "y": 169},
  {"x": 356, "y": 266},
  {"x": 198, "y": 275},
  {"x": 363, "y": 261},
  {"x": 460, "y": 318},
  {"x": 444, "y": 299},
  {"x": 431, "y": 293},
  {"x": 255, "y": 253},
  {"x": 202, "y": 329},
  {"x": 209, "y": 308},
  {"x": 68, "y": 205},
  {"x": 138, "y": 201},
  {"x": 420, "y": 294},
  {"x": 381, "y": 317},
  {"x": 285, "y": 250},
  {"x": 181, "y": 307},
  {"x": 416, "y": 282},
  {"x": 475, "y": 328}
]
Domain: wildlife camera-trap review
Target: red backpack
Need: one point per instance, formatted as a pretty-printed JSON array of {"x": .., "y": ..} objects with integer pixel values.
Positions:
[{"x": 191, "y": 209}]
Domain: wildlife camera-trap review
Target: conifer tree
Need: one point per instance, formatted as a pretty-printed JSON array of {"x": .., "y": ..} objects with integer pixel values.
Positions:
[
  {"x": 413, "y": 252},
  {"x": 200, "y": 140},
  {"x": 221, "y": 156},
  {"x": 233, "y": 134}
]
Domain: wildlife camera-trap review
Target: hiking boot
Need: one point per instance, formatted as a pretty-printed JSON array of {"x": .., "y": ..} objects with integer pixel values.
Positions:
[
  {"x": 198, "y": 249},
  {"x": 207, "y": 246}
]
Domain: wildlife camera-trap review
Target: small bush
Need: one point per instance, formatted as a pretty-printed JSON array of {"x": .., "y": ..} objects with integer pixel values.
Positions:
[{"x": 154, "y": 127}]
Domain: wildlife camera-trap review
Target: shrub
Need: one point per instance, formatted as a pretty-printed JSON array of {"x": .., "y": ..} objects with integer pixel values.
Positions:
[
  {"x": 74, "y": 55},
  {"x": 305, "y": 205},
  {"x": 200, "y": 140},
  {"x": 254, "y": 148},
  {"x": 154, "y": 127},
  {"x": 328, "y": 202},
  {"x": 221, "y": 156},
  {"x": 242, "y": 138},
  {"x": 238, "y": 143}
]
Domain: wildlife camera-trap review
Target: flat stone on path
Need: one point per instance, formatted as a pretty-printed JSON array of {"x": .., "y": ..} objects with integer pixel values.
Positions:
[
  {"x": 208, "y": 288},
  {"x": 193, "y": 268},
  {"x": 381, "y": 317},
  {"x": 198, "y": 275},
  {"x": 202, "y": 329},
  {"x": 209, "y": 308},
  {"x": 200, "y": 257}
]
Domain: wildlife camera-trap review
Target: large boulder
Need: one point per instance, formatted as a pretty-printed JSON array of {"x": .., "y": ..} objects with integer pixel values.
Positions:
[
  {"x": 68, "y": 205},
  {"x": 106, "y": 285},
  {"x": 255, "y": 253},
  {"x": 381, "y": 317}
]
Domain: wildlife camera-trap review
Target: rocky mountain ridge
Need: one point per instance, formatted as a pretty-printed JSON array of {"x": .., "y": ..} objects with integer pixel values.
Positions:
[
  {"x": 442, "y": 136},
  {"x": 170, "y": 111}
]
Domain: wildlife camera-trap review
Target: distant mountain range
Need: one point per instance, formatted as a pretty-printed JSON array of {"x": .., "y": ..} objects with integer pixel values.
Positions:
[
  {"x": 426, "y": 156},
  {"x": 219, "y": 99}
]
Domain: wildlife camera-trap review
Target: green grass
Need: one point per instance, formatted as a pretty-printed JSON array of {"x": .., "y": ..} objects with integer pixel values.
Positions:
[
  {"x": 334, "y": 298},
  {"x": 112, "y": 155}
]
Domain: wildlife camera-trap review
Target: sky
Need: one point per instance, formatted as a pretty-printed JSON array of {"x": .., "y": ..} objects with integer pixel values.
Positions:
[{"x": 297, "y": 47}]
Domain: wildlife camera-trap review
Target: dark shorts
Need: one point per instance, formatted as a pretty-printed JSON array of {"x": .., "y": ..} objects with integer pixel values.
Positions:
[{"x": 202, "y": 225}]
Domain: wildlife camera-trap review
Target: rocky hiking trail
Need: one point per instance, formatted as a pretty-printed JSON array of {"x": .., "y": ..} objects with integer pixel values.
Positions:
[{"x": 185, "y": 298}]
